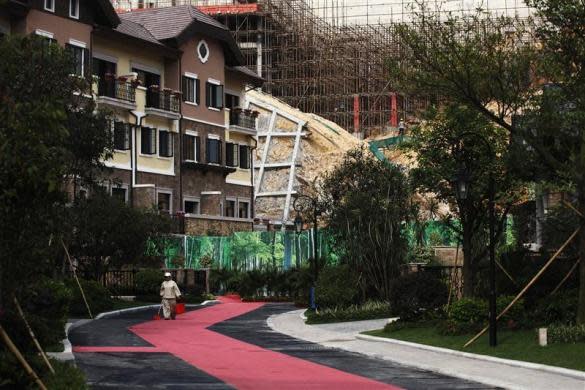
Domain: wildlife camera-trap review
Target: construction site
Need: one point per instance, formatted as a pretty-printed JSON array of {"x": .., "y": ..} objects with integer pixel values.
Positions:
[
  {"x": 327, "y": 84},
  {"x": 327, "y": 57}
]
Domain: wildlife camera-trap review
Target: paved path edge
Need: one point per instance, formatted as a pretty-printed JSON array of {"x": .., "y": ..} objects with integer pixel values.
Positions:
[{"x": 515, "y": 363}]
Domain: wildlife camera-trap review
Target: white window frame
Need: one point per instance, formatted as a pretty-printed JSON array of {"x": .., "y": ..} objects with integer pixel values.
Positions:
[
  {"x": 193, "y": 76},
  {"x": 192, "y": 199},
  {"x": 192, "y": 133},
  {"x": 71, "y": 15},
  {"x": 206, "y": 58},
  {"x": 122, "y": 186},
  {"x": 52, "y": 9},
  {"x": 139, "y": 140},
  {"x": 168, "y": 192},
  {"x": 244, "y": 200},
  {"x": 231, "y": 199},
  {"x": 81, "y": 45},
  {"x": 45, "y": 34},
  {"x": 158, "y": 144}
]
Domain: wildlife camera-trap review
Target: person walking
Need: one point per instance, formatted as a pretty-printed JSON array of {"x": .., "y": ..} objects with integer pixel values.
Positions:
[{"x": 169, "y": 292}]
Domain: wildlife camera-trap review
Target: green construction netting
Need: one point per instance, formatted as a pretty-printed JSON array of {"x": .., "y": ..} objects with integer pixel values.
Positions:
[{"x": 258, "y": 250}]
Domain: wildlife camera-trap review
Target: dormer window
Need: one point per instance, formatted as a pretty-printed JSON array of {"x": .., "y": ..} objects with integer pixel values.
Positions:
[
  {"x": 50, "y": 5},
  {"x": 74, "y": 9},
  {"x": 203, "y": 51}
]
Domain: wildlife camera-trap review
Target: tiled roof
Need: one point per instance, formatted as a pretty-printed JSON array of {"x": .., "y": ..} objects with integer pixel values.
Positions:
[
  {"x": 135, "y": 30},
  {"x": 169, "y": 22}
]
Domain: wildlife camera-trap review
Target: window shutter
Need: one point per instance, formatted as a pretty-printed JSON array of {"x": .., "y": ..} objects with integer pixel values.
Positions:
[
  {"x": 170, "y": 144},
  {"x": 197, "y": 89},
  {"x": 244, "y": 157},
  {"x": 188, "y": 147},
  {"x": 208, "y": 95},
  {"x": 153, "y": 141},
  {"x": 229, "y": 154},
  {"x": 198, "y": 149},
  {"x": 208, "y": 151},
  {"x": 144, "y": 140},
  {"x": 127, "y": 129},
  {"x": 219, "y": 96},
  {"x": 184, "y": 88},
  {"x": 163, "y": 140},
  {"x": 86, "y": 64},
  {"x": 219, "y": 155}
]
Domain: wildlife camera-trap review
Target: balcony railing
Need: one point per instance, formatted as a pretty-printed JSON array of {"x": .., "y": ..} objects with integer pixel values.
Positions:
[
  {"x": 162, "y": 99},
  {"x": 243, "y": 118},
  {"x": 116, "y": 89}
]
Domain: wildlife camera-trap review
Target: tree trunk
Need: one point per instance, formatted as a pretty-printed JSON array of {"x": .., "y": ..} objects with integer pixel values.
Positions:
[
  {"x": 581, "y": 303},
  {"x": 467, "y": 260}
]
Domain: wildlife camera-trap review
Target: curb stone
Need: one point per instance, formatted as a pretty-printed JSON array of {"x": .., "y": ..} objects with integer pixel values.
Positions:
[{"x": 516, "y": 363}]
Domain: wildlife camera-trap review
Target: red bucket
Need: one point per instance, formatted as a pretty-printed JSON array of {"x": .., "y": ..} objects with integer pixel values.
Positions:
[{"x": 180, "y": 308}]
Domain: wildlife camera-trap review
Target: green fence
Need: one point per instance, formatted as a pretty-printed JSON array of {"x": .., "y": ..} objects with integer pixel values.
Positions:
[
  {"x": 242, "y": 251},
  {"x": 283, "y": 250}
]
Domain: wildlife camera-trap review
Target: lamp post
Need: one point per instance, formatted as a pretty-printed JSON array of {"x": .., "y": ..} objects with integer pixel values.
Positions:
[
  {"x": 306, "y": 203},
  {"x": 462, "y": 190}
]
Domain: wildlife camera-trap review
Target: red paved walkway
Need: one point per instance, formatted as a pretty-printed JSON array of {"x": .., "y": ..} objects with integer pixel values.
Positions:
[{"x": 240, "y": 364}]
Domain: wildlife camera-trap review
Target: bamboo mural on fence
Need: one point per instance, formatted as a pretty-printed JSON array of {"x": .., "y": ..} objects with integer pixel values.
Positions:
[{"x": 260, "y": 250}]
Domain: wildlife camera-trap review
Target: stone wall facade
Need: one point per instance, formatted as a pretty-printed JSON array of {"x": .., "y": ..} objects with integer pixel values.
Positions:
[{"x": 202, "y": 226}]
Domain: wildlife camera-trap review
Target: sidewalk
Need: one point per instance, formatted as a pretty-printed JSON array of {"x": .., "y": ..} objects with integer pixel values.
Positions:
[{"x": 343, "y": 336}]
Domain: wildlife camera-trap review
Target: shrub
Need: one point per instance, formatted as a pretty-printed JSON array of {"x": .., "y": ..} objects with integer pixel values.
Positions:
[
  {"x": 148, "y": 281},
  {"x": 559, "y": 308},
  {"x": 416, "y": 295},
  {"x": 367, "y": 311},
  {"x": 12, "y": 376},
  {"x": 471, "y": 314},
  {"x": 45, "y": 305},
  {"x": 98, "y": 298},
  {"x": 67, "y": 377},
  {"x": 566, "y": 334},
  {"x": 337, "y": 287}
]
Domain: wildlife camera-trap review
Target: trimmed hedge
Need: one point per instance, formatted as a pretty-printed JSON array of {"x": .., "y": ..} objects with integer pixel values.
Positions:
[
  {"x": 568, "y": 334},
  {"x": 368, "y": 311},
  {"x": 337, "y": 287}
]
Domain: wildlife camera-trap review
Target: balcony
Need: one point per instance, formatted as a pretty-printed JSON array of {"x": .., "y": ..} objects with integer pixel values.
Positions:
[
  {"x": 243, "y": 121},
  {"x": 163, "y": 102},
  {"x": 116, "y": 92}
]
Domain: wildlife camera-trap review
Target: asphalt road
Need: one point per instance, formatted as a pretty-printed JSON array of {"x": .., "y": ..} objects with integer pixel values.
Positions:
[{"x": 229, "y": 346}]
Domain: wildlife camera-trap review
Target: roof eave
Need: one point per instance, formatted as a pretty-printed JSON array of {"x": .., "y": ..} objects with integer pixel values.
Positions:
[
  {"x": 162, "y": 49},
  {"x": 234, "y": 56},
  {"x": 110, "y": 12}
]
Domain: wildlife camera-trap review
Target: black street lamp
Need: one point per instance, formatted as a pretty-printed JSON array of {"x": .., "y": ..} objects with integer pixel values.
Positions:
[
  {"x": 306, "y": 203},
  {"x": 462, "y": 190}
]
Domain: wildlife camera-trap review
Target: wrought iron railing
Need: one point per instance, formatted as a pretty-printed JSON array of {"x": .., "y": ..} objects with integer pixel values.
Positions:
[
  {"x": 243, "y": 119},
  {"x": 116, "y": 89},
  {"x": 162, "y": 99}
]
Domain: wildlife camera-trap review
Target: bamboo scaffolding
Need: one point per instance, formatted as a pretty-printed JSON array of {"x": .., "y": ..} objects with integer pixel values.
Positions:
[
  {"x": 534, "y": 279},
  {"x": 21, "y": 358},
  {"x": 76, "y": 278},
  {"x": 32, "y": 335},
  {"x": 573, "y": 268}
]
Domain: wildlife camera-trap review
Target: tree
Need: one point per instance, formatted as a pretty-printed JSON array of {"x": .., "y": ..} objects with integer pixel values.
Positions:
[
  {"x": 497, "y": 65},
  {"x": 106, "y": 233},
  {"x": 554, "y": 126},
  {"x": 39, "y": 101},
  {"x": 442, "y": 145},
  {"x": 367, "y": 203}
]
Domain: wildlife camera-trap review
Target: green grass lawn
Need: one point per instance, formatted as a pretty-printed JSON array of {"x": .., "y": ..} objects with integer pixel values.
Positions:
[{"x": 515, "y": 345}]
